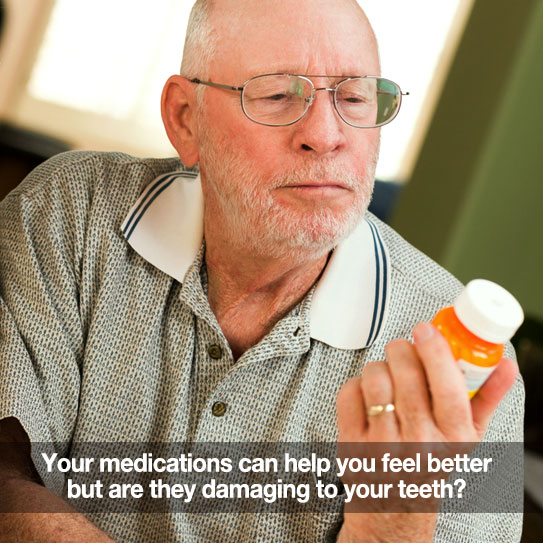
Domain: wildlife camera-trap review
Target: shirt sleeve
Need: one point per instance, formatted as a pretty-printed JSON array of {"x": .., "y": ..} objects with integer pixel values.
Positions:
[{"x": 41, "y": 336}]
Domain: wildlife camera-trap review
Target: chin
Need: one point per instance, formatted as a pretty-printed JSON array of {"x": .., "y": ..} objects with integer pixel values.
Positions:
[{"x": 313, "y": 235}]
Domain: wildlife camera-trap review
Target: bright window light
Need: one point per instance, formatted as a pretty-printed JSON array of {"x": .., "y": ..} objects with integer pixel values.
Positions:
[
  {"x": 411, "y": 38},
  {"x": 111, "y": 58}
]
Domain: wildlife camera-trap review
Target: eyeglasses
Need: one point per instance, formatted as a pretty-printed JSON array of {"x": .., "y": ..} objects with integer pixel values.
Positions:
[{"x": 283, "y": 99}]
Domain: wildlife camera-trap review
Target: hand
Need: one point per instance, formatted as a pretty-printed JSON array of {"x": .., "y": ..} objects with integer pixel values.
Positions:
[
  {"x": 428, "y": 390},
  {"x": 40, "y": 515}
]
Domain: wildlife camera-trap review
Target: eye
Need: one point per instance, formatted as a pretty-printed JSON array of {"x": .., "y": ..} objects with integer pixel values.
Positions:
[
  {"x": 353, "y": 98},
  {"x": 276, "y": 97}
]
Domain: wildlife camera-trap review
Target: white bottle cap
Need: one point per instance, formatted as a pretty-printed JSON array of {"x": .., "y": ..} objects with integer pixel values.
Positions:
[{"x": 488, "y": 311}]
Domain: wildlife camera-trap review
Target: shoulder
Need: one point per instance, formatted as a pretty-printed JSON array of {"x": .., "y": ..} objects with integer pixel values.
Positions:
[
  {"x": 414, "y": 272},
  {"x": 79, "y": 184},
  {"x": 94, "y": 169}
]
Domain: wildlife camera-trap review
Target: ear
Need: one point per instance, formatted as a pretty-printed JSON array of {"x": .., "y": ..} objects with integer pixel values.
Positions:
[{"x": 178, "y": 107}]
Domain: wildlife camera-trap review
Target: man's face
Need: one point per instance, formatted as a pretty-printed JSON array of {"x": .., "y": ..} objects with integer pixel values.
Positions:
[{"x": 275, "y": 190}]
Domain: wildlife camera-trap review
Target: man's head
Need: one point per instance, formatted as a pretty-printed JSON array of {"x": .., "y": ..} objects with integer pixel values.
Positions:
[{"x": 275, "y": 190}]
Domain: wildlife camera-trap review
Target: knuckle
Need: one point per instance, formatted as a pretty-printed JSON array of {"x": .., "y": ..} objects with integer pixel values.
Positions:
[
  {"x": 377, "y": 379},
  {"x": 373, "y": 368},
  {"x": 348, "y": 388},
  {"x": 375, "y": 371},
  {"x": 350, "y": 383},
  {"x": 440, "y": 347},
  {"x": 417, "y": 416},
  {"x": 397, "y": 347},
  {"x": 422, "y": 434},
  {"x": 405, "y": 362},
  {"x": 412, "y": 386}
]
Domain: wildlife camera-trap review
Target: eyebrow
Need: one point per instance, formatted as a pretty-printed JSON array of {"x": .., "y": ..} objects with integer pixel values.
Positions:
[
  {"x": 293, "y": 72},
  {"x": 329, "y": 75}
]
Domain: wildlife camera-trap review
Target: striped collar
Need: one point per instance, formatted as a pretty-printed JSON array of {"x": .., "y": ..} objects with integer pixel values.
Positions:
[{"x": 348, "y": 310}]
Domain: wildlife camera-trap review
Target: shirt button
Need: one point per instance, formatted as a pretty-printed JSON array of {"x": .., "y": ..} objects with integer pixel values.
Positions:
[
  {"x": 214, "y": 351},
  {"x": 218, "y": 409}
]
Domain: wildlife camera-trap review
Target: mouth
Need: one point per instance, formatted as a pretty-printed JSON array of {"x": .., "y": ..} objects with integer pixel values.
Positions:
[
  {"x": 325, "y": 188},
  {"x": 309, "y": 184},
  {"x": 316, "y": 191}
]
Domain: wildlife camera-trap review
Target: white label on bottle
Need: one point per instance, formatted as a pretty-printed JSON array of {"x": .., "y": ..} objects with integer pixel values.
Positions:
[{"x": 475, "y": 375}]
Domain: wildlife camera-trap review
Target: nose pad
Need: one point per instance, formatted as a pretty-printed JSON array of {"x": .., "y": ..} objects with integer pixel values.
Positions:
[{"x": 310, "y": 99}]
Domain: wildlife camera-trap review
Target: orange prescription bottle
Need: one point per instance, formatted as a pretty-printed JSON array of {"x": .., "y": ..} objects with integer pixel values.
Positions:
[{"x": 483, "y": 318}]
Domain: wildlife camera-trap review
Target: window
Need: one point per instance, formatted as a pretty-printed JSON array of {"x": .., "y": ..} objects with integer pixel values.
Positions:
[{"x": 99, "y": 74}]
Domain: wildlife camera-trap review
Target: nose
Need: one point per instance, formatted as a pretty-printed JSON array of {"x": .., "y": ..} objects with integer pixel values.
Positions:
[{"x": 321, "y": 130}]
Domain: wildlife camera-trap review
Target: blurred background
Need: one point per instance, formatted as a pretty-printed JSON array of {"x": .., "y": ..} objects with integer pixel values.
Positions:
[{"x": 461, "y": 167}]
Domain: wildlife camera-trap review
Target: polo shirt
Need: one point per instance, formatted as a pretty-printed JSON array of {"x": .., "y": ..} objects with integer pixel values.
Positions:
[{"x": 107, "y": 336}]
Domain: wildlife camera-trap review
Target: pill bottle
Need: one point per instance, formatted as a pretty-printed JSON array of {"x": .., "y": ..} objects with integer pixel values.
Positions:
[{"x": 482, "y": 319}]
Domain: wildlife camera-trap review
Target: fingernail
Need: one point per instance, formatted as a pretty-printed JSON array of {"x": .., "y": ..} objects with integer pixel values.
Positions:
[{"x": 423, "y": 332}]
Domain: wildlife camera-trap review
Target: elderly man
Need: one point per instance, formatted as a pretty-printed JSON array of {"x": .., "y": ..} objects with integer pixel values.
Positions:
[{"x": 147, "y": 301}]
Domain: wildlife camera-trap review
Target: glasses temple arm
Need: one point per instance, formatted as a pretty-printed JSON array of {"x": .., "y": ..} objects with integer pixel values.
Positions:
[
  {"x": 386, "y": 92},
  {"x": 218, "y": 85}
]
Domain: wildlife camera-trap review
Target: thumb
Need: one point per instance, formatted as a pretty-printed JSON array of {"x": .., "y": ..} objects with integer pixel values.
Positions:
[{"x": 484, "y": 403}]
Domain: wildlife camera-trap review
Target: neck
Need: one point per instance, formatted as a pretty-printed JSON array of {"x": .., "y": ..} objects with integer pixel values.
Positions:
[{"x": 250, "y": 292}]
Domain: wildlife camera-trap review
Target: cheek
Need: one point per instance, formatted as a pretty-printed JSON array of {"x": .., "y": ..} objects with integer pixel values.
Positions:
[
  {"x": 224, "y": 116},
  {"x": 220, "y": 115},
  {"x": 365, "y": 148},
  {"x": 264, "y": 148}
]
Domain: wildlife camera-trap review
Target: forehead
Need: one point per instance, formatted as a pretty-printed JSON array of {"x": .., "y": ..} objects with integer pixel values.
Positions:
[{"x": 317, "y": 37}]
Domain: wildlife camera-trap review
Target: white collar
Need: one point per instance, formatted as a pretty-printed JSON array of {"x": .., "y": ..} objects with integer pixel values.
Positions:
[{"x": 349, "y": 306}]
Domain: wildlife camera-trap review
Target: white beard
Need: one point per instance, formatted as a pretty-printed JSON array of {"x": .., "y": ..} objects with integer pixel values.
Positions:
[{"x": 255, "y": 221}]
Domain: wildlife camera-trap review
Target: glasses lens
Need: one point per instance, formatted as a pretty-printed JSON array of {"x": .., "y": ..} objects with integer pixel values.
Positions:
[
  {"x": 276, "y": 99},
  {"x": 367, "y": 101}
]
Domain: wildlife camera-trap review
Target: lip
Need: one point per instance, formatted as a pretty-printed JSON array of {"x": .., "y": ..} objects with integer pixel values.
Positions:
[
  {"x": 317, "y": 186},
  {"x": 318, "y": 191}
]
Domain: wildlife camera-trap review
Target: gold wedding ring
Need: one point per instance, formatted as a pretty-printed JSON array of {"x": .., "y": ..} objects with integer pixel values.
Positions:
[{"x": 374, "y": 410}]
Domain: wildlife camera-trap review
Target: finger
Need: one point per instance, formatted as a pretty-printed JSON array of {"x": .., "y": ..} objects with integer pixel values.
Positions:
[
  {"x": 450, "y": 402},
  {"x": 488, "y": 397},
  {"x": 377, "y": 389},
  {"x": 351, "y": 417},
  {"x": 411, "y": 395}
]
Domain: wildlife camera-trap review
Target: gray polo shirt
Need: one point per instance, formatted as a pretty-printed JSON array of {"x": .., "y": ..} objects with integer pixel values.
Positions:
[{"x": 106, "y": 335}]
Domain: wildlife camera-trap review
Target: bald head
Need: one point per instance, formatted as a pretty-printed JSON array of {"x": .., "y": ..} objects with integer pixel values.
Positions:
[{"x": 217, "y": 27}]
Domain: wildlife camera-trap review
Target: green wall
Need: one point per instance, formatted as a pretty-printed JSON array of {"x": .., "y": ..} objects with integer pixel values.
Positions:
[{"x": 475, "y": 200}]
